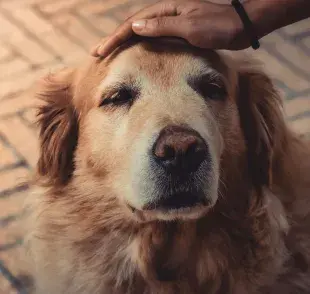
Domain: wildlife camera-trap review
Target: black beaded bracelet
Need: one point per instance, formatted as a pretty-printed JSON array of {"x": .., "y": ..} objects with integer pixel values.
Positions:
[{"x": 247, "y": 24}]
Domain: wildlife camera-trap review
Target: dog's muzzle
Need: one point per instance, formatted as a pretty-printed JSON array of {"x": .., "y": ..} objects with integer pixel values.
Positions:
[{"x": 180, "y": 160}]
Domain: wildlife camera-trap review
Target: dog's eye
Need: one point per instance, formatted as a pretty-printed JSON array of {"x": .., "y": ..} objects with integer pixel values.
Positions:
[
  {"x": 121, "y": 97},
  {"x": 211, "y": 90},
  {"x": 214, "y": 90}
]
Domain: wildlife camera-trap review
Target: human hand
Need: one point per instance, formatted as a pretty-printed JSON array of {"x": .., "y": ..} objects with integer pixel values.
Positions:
[{"x": 203, "y": 24}]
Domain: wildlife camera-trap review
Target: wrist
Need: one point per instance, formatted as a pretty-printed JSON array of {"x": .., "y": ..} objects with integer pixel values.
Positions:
[
  {"x": 249, "y": 29},
  {"x": 262, "y": 16},
  {"x": 270, "y": 15},
  {"x": 245, "y": 32}
]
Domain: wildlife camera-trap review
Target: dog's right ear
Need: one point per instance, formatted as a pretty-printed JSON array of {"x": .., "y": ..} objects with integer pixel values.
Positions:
[
  {"x": 58, "y": 124},
  {"x": 262, "y": 122}
]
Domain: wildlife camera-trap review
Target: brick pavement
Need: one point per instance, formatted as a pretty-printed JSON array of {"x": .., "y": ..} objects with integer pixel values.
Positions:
[{"x": 37, "y": 36}]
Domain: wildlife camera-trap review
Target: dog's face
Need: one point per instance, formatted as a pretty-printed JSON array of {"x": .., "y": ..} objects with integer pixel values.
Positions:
[
  {"x": 154, "y": 129},
  {"x": 150, "y": 125}
]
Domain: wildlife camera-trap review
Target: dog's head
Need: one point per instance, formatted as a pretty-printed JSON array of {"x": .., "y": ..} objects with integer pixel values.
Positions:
[{"x": 155, "y": 126}]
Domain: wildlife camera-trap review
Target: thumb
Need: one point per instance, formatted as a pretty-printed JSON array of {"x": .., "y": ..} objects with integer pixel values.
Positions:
[{"x": 172, "y": 26}]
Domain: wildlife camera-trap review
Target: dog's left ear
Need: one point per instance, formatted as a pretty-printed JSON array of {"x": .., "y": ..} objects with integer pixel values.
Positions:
[
  {"x": 58, "y": 124},
  {"x": 262, "y": 122}
]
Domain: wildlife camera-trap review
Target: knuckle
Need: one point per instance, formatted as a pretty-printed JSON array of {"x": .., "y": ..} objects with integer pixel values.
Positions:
[
  {"x": 192, "y": 32},
  {"x": 170, "y": 4},
  {"x": 157, "y": 23},
  {"x": 170, "y": 8},
  {"x": 191, "y": 23},
  {"x": 116, "y": 38},
  {"x": 190, "y": 27},
  {"x": 103, "y": 40}
]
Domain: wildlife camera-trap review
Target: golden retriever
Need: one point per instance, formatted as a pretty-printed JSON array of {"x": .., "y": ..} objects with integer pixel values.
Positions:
[{"x": 168, "y": 169}]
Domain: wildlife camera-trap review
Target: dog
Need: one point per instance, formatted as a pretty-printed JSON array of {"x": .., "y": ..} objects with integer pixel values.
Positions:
[{"x": 164, "y": 169}]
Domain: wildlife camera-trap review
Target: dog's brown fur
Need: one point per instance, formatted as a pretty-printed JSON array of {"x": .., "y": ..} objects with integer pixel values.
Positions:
[{"x": 256, "y": 239}]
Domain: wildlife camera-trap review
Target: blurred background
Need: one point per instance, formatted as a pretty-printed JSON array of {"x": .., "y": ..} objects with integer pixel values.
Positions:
[{"x": 38, "y": 36}]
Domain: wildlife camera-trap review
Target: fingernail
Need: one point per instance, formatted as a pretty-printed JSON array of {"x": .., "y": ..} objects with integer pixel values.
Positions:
[
  {"x": 100, "y": 50},
  {"x": 139, "y": 24},
  {"x": 94, "y": 51}
]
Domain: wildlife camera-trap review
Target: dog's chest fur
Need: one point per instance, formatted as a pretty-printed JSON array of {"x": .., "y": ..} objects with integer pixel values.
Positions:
[{"x": 217, "y": 254}]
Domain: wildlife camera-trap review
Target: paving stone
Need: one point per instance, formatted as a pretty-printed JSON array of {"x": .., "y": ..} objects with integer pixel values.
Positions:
[
  {"x": 104, "y": 24},
  {"x": 24, "y": 140},
  {"x": 306, "y": 42},
  {"x": 75, "y": 28},
  {"x": 32, "y": 21},
  {"x": 12, "y": 179},
  {"x": 57, "y": 6},
  {"x": 289, "y": 54},
  {"x": 20, "y": 84},
  {"x": 7, "y": 156},
  {"x": 61, "y": 44},
  {"x": 96, "y": 7},
  {"x": 32, "y": 50},
  {"x": 302, "y": 27},
  {"x": 4, "y": 52},
  {"x": 30, "y": 116},
  {"x": 277, "y": 69},
  {"x": 9, "y": 30},
  {"x": 13, "y": 207},
  {"x": 12, "y": 68},
  {"x": 297, "y": 105},
  {"x": 301, "y": 125}
]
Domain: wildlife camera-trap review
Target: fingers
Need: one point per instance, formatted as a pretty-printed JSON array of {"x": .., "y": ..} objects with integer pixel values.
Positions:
[
  {"x": 122, "y": 34},
  {"x": 160, "y": 26},
  {"x": 94, "y": 49},
  {"x": 125, "y": 31}
]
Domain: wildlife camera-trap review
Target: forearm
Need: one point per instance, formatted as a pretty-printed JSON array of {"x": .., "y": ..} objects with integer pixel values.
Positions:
[{"x": 269, "y": 15}]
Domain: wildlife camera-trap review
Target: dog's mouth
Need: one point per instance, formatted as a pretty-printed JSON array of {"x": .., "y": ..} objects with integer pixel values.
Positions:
[
  {"x": 184, "y": 206},
  {"x": 180, "y": 205},
  {"x": 178, "y": 201}
]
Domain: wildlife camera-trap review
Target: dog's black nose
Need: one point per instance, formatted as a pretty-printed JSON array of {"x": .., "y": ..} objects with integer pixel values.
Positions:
[{"x": 180, "y": 150}]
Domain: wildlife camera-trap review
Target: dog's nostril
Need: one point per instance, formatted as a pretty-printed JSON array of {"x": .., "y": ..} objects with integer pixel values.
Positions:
[
  {"x": 169, "y": 153},
  {"x": 193, "y": 148},
  {"x": 180, "y": 148}
]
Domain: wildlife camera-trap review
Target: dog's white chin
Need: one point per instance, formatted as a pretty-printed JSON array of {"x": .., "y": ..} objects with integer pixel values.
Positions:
[{"x": 188, "y": 213}]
